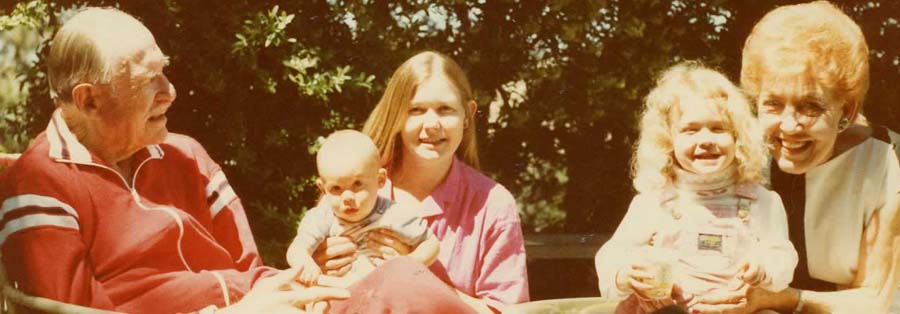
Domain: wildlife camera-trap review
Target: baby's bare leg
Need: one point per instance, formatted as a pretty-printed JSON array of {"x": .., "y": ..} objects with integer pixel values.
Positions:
[{"x": 765, "y": 312}]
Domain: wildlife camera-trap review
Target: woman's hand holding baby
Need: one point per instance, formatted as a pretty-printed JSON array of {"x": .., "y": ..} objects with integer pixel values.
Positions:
[
  {"x": 388, "y": 243},
  {"x": 335, "y": 255}
]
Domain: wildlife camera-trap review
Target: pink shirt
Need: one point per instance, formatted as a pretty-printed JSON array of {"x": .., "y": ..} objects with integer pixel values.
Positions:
[{"x": 477, "y": 222}]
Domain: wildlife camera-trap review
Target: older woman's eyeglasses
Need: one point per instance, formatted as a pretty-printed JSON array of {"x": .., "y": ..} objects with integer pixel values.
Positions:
[{"x": 805, "y": 113}]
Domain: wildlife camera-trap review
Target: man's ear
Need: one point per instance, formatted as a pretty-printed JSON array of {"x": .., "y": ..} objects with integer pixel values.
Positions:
[
  {"x": 83, "y": 98},
  {"x": 382, "y": 177}
]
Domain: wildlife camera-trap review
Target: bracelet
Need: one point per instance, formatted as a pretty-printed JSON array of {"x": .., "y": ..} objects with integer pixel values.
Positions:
[{"x": 799, "y": 308}]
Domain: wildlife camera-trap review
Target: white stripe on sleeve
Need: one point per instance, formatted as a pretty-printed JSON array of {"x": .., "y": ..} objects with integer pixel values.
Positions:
[
  {"x": 226, "y": 195},
  {"x": 214, "y": 183},
  {"x": 36, "y": 220},
  {"x": 26, "y": 200}
]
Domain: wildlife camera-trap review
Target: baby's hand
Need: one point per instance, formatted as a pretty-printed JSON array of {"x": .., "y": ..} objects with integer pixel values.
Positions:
[
  {"x": 752, "y": 274},
  {"x": 309, "y": 274}
]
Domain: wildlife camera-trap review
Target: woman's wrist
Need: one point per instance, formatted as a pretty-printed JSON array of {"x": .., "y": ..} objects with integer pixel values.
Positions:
[{"x": 785, "y": 301}]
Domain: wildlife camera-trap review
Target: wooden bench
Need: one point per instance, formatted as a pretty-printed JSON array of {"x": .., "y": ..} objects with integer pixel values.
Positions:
[
  {"x": 562, "y": 265},
  {"x": 563, "y": 246}
]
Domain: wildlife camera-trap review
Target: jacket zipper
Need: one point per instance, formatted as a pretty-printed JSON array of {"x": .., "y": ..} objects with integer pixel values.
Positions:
[{"x": 137, "y": 199}]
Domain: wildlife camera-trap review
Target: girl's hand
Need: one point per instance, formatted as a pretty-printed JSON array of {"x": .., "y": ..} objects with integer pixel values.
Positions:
[
  {"x": 388, "y": 243},
  {"x": 752, "y": 274},
  {"x": 633, "y": 277},
  {"x": 335, "y": 255}
]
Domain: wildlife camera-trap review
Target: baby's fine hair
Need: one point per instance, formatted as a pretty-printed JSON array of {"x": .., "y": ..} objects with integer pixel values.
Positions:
[
  {"x": 347, "y": 145},
  {"x": 653, "y": 163}
]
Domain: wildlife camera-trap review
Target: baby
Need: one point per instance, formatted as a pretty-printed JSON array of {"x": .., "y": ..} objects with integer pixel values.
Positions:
[
  {"x": 701, "y": 220},
  {"x": 349, "y": 179}
]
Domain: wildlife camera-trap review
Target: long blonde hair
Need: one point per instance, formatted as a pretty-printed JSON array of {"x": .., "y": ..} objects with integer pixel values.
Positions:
[
  {"x": 653, "y": 164},
  {"x": 386, "y": 120}
]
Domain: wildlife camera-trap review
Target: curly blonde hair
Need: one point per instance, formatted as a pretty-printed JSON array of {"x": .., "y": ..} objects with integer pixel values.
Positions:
[
  {"x": 653, "y": 164},
  {"x": 815, "y": 39}
]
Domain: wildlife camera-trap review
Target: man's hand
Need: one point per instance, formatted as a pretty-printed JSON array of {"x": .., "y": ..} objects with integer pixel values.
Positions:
[
  {"x": 335, "y": 255},
  {"x": 274, "y": 295}
]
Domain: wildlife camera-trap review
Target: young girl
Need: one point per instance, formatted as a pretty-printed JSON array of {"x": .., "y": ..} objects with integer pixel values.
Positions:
[{"x": 701, "y": 220}]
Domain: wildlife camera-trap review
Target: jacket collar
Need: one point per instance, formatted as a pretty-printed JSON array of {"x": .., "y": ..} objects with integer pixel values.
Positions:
[{"x": 65, "y": 147}]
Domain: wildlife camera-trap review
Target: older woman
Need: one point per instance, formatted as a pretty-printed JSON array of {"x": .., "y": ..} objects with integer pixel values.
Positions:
[
  {"x": 806, "y": 67},
  {"x": 424, "y": 127}
]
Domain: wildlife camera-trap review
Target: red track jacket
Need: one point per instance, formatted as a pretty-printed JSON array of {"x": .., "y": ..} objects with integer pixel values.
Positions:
[{"x": 174, "y": 238}]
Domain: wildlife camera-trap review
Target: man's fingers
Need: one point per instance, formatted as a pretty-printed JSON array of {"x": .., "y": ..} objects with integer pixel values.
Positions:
[
  {"x": 313, "y": 294},
  {"x": 279, "y": 281}
]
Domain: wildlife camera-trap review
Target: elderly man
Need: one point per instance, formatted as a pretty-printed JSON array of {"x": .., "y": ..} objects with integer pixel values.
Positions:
[{"x": 108, "y": 210}]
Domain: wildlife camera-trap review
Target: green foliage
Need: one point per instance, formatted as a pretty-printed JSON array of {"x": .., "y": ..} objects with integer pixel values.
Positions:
[
  {"x": 22, "y": 32},
  {"x": 32, "y": 14},
  {"x": 559, "y": 84},
  {"x": 265, "y": 29}
]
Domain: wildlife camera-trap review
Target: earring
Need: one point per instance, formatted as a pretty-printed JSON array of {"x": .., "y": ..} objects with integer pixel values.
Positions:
[{"x": 843, "y": 124}]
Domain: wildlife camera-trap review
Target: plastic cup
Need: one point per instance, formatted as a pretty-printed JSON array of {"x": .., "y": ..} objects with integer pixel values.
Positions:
[{"x": 661, "y": 264}]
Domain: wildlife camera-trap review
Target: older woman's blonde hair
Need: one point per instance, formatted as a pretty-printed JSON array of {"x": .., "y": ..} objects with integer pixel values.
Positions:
[
  {"x": 816, "y": 39},
  {"x": 653, "y": 164},
  {"x": 386, "y": 120},
  {"x": 79, "y": 50}
]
